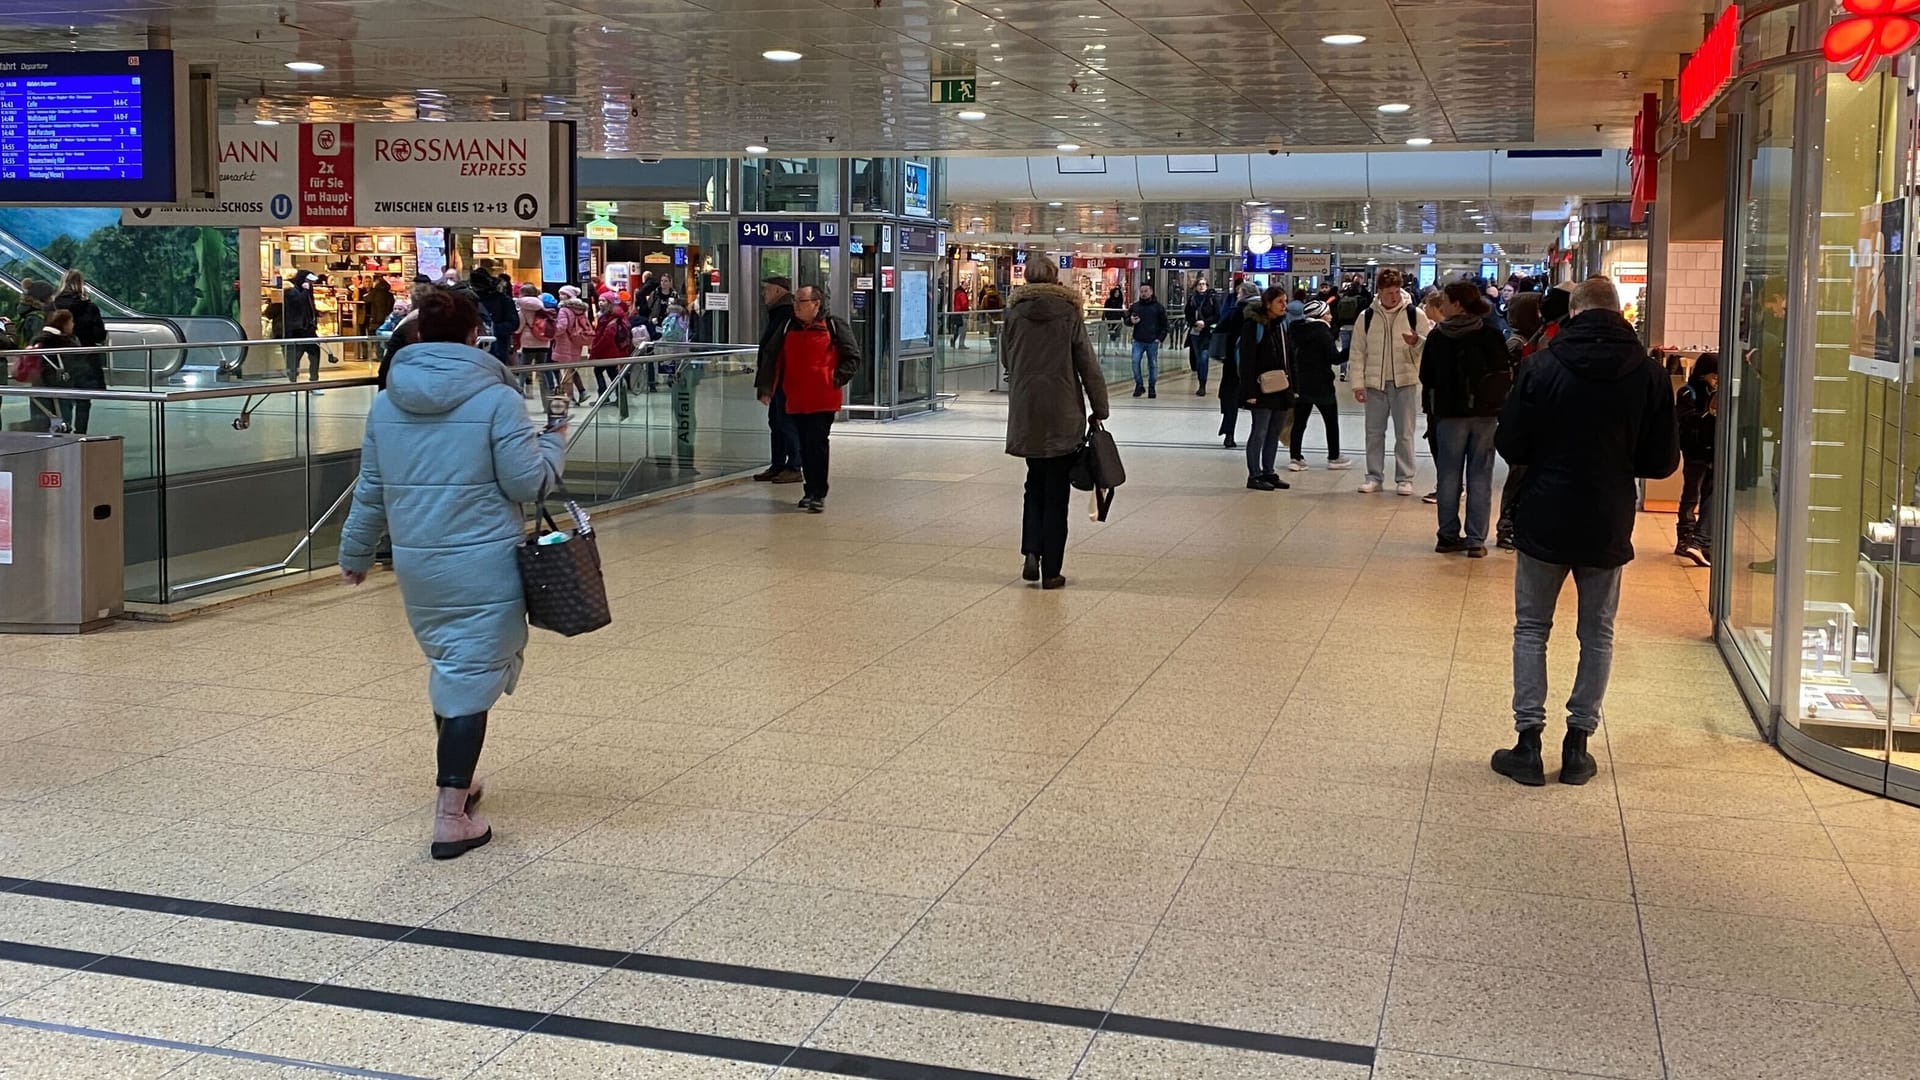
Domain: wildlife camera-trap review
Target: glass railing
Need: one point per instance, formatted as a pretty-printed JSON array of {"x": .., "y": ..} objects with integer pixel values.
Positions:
[
  {"x": 968, "y": 350},
  {"x": 230, "y": 485}
]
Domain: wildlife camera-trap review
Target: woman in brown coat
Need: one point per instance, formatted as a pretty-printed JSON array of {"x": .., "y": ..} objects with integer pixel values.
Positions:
[{"x": 1052, "y": 380}]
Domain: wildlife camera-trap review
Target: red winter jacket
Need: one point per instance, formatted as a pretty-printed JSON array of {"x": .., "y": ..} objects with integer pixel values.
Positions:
[{"x": 815, "y": 362}]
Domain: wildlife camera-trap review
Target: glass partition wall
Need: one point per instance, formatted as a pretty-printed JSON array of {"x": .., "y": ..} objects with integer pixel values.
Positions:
[{"x": 1817, "y": 583}]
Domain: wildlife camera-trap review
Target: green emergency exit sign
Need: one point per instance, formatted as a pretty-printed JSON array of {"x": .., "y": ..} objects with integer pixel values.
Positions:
[{"x": 952, "y": 92}]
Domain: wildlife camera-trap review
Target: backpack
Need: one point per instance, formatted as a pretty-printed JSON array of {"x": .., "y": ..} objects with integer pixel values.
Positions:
[
  {"x": 1366, "y": 321},
  {"x": 607, "y": 342},
  {"x": 1229, "y": 327},
  {"x": 1487, "y": 389},
  {"x": 1347, "y": 309},
  {"x": 542, "y": 326}
]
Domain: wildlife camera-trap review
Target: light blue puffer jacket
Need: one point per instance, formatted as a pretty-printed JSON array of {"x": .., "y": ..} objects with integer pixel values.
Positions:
[{"x": 449, "y": 457}]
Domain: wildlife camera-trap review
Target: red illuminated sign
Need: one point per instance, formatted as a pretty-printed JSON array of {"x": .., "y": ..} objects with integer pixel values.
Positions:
[
  {"x": 1644, "y": 160},
  {"x": 49, "y": 479},
  {"x": 1871, "y": 29},
  {"x": 1711, "y": 68}
]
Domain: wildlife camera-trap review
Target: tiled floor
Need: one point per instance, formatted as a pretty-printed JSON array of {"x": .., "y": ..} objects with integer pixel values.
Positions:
[{"x": 1233, "y": 779}]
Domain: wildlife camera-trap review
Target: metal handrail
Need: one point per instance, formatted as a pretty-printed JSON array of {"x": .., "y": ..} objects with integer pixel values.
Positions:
[{"x": 150, "y": 347}]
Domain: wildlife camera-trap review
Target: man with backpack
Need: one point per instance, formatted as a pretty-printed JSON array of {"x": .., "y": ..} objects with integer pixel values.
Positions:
[
  {"x": 1467, "y": 372},
  {"x": 1385, "y": 357}
]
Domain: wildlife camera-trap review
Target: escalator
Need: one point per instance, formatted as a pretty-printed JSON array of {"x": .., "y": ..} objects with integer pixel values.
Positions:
[{"x": 125, "y": 326}]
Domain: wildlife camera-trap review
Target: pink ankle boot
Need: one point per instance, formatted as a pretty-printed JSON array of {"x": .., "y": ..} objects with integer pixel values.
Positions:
[{"x": 456, "y": 830}]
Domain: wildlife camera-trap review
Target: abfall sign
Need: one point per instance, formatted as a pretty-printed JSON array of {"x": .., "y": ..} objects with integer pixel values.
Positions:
[{"x": 1711, "y": 68}]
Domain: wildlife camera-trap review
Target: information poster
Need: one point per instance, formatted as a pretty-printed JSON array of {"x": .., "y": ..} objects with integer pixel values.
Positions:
[
  {"x": 6, "y": 519},
  {"x": 430, "y": 250},
  {"x": 1877, "y": 262},
  {"x": 919, "y": 188},
  {"x": 915, "y": 306},
  {"x": 553, "y": 258}
]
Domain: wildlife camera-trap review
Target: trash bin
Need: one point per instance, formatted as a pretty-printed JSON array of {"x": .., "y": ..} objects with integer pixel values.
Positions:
[{"x": 62, "y": 544}]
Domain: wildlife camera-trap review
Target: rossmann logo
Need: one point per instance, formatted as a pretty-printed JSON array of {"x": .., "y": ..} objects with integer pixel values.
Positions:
[
  {"x": 248, "y": 152},
  {"x": 476, "y": 157}
]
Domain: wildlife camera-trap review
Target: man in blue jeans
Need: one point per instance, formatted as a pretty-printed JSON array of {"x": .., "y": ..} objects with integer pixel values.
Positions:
[
  {"x": 1150, "y": 327},
  {"x": 1587, "y": 417}
]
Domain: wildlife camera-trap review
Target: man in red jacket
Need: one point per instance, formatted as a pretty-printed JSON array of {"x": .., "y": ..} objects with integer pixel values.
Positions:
[{"x": 817, "y": 357}]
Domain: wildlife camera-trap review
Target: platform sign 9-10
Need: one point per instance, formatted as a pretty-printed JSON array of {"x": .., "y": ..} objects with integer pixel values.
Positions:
[{"x": 88, "y": 128}]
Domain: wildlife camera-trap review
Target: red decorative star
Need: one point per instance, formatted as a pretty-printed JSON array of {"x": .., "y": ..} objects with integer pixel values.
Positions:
[{"x": 1876, "y": 28}]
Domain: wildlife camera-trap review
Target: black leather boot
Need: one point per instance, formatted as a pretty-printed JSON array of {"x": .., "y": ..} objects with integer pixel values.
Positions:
[
  {"x": 1522, "y": 764},
  {"x": 1576, "y": 765}
]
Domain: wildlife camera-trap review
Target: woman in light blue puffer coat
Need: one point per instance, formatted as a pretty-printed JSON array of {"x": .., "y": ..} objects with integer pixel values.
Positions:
[{"x": 449, "y": 457}]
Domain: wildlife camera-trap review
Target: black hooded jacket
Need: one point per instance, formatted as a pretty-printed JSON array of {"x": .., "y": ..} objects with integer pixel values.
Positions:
[
  {"x": 1587, "y": 416},
  {"x": 1316, "y": 352}
]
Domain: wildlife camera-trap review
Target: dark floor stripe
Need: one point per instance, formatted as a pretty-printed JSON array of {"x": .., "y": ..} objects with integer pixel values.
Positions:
[
  {"x": 490, "y": 1016},
  {"x": 709, "y": 971}
]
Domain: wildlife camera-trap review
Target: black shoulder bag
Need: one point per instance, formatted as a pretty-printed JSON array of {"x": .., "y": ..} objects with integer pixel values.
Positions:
[{"x": 1099, "y": 469}]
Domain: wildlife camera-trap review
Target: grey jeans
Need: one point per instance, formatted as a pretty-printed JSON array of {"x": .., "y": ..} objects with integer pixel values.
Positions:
[
  {"x": 1401, "y": 404},
  {"x": 1536, "y": 589}
]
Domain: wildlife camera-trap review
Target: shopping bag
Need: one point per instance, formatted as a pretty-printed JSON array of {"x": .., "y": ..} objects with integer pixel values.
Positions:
[
  {"x": 1098, "y": 469},
  {"x": 565, "y": 592}
]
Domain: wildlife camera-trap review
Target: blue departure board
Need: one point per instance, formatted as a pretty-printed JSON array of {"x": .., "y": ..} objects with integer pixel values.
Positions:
[{"x": 87, "y": 128}]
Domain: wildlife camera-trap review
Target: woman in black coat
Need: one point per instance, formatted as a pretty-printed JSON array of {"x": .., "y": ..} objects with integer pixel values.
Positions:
[
  {"x": 85, "y": 371},
  {"x": 1316, "y": 360},
  {"x": 1263, "y": 353}
]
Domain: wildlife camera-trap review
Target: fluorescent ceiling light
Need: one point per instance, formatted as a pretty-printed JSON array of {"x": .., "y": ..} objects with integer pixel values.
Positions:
[
  {"x": 756, "y": 148},
  {"x": 972, "y": 114},
  {"x": 1096, "y": 213},
  {"x": 1343, "y": 39},
  {"x": 1396, "y": 107},
  {"x": 1067, "y": 147},
  {"x": 1419, "y": 140},
  {"x": 305, "y": 67},
  {"x": 781, "y": 56},
  {"x": 1056, "y": 204},
  {"x": 1136, "y": 218},
  {"x": 264, "y": 122},
  {"x": 1059, "y": 228}
]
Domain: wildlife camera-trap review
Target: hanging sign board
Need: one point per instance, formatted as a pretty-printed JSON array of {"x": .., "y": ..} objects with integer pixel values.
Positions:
[
  {"x": 1312, "y": 264},
  {"x": 1711, "y": 67},
  {"x": 92, "y": 128},
  {"x": 492, "y": 176},
  {"x": 1185, "y": 262}
]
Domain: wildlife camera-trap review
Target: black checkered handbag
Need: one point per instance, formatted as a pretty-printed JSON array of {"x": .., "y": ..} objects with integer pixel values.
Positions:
[{"x": 564, "y": 590}]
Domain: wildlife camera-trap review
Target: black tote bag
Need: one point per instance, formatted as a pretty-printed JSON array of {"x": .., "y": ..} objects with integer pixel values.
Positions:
[
  {"x": 1099, "y": 469},
  {"x": 564, "y": 590}
]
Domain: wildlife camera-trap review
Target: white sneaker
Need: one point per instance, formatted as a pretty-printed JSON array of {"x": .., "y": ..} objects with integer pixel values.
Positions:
[
  {"x": 1404, "y": 488},
  {"x": 1369, "y": 487},
  {"x": 1339, "y": 463},
  {"x": 1297, "y": 466}
]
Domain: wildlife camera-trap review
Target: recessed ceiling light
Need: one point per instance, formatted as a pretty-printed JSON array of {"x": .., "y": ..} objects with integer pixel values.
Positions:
[
  {"x": 1056, "y": 204},
  {"x": 1419, "y": 140},
  {"x": 1396, "y": 107},
  {"x": 264, "y": 122},
  {"x": 1067, "y": 147},
  {"x": 1319, "y": 224},
  {"x": 1343, "y": 39},
  {"x": 305, "y": 67},
  {"x": 1096, "y": 213},
  {"x": 1171, "y": 225},
  {"x": 756, "y": 148},
  {"x": 1253, "y": 202},
  {"x": 1059, "y": 228},
  {"x": 781, "y": 56},
  {"x": 971, "y": 114},
  {"x": 1134, "y": 218}
]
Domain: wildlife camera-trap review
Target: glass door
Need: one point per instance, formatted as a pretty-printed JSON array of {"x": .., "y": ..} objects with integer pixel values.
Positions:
[{"x": 914, "y": 365}]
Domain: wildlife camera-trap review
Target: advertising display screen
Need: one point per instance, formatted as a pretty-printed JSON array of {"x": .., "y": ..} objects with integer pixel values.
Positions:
[{"x": 88, "y": 128}]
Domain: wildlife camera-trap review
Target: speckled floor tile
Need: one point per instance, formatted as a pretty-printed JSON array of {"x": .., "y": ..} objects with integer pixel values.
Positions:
[
  {"x": 792, "y": 927},
  {"x": 1338, "y": 842},
  {"x": 365, "y": 879},
  {"x": 1750, "y": 884},
  {"x": 144, "y": 730},
  {"x": 1395, "y": 1065},
  {"x": 757, "y": 785},
  {"x": 1140, "y": 778},
  {"x": 934, "y": 801},
  {"x": 1771, "y": 957},
  {"x": 867, "y": 857},
  {"x": 1722, "y": 1036},
  {"x": 1524, "y": 862},
  {"x": 169, "y": 786},
  {"x": 1519, "y": 1017},
  {"x": 19, "y": 979},
  {"x": 137, "y": 1007},
  {"x": 539, "y": 1057},
  {"x": 955, "y": 1040},
  {"x": 524, "y": 822},
  {"x": 1071, "y": 879},
  {"x": 1134, "y": 821},
  {"x": 1751, "y": 835},
  {"x": 26, "y": 1053},
  {"x": 430, "y": 1049},
  {"x": 1182, "y": 747},
  {"x": 861, "y": 718},
  {"x": 1280, "y": 903},
  {"x": 602, "y": 772},
  {"x": 484, "y": 978},
  {"x": 1289, "y": 988},
  {"x": 1685, "y": 791},
  {"x": 1136, "y": 1057},
  {"x": 609, "y": 907},
  {"x": 1487, "y": 926},
  {"x": 303, "y": 955},
  {"x": 1311, "y": 793},
  {"x": 1027, "y": 731},
  {"x": 703, "y": 1006},
  {"x": 1028, "y": 955},
  {"x": 39, "y": 839},
  {"x": 198, "y": 860},
  {"x": 29, "y": 770},
  {"x": 1351, "y": 761},
  {"x": 682, "y": 839}
]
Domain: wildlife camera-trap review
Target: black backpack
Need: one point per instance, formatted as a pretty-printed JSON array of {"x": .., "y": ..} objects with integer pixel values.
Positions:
[
  {"x": 1229, "y": 327},
  {"x": 1487, "y": 388},
  {"x": 1346, "y": 309},
  {"x": 1366, "y": 321}
]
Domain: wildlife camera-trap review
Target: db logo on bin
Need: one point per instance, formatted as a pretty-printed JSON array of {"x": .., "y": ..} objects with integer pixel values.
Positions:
[{"x": 49, "y": 479}]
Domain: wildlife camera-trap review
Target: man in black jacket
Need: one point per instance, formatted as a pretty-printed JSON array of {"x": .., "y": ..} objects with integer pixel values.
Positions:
[
  {"x": 1149, "y": 319},
  {"x": 1203, "y": 311},
  {"x": 1586, "y": 417},
  {"x": 1698, "y": 406},
  {"x": 784, "y": 467}
]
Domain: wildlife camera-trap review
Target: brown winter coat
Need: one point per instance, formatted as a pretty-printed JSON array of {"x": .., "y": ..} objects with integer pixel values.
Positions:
[{"x": 1051, "y": 372}]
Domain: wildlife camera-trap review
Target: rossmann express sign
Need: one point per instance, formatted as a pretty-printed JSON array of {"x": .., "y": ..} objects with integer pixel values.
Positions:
[{"x": 501, "y": 175}]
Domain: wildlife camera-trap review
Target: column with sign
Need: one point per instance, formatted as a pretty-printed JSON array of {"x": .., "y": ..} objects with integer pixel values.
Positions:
[{"x": 326, "y": 174}]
